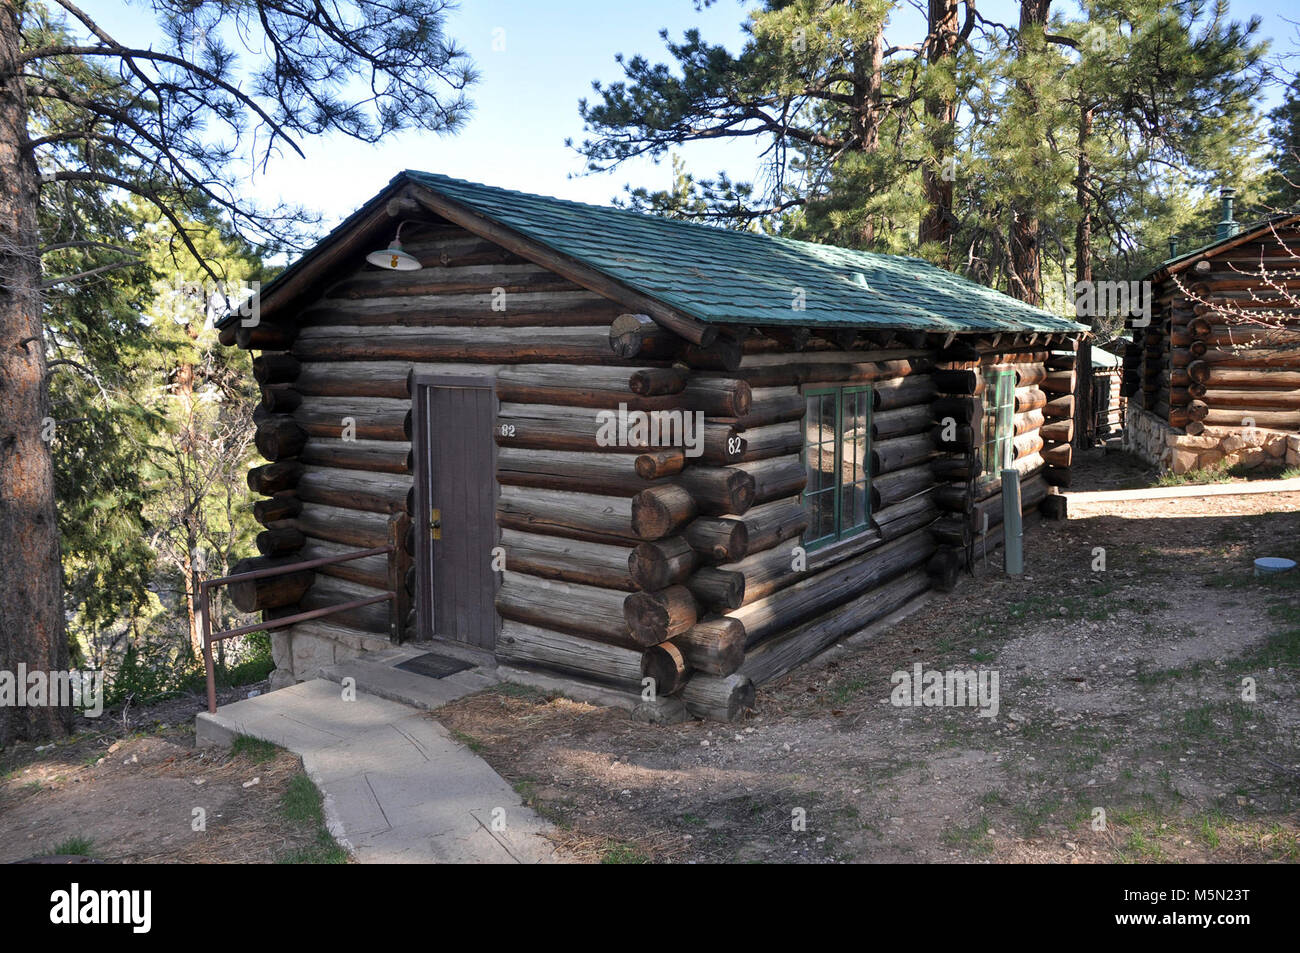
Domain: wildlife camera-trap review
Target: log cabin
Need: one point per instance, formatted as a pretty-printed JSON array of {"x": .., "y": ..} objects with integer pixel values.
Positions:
[
  {"x": 1106, "y": 393},
  {"x": 1214, "y": 378},
  {"x": 609, "y": 447}
]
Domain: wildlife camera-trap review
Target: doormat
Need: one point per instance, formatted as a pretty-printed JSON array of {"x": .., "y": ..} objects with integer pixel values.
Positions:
[{"x": 434, "y": 666}]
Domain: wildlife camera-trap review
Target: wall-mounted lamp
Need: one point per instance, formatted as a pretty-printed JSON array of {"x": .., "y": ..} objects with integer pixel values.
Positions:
[{"x": 393, "y": 258}]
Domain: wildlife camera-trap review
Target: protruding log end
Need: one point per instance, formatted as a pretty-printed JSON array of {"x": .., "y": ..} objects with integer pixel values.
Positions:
[
  {"x": 658, "y": 381},
  {"x": 654, "y": 617},
  {"x": 272, "y": 478},
  {"x": 667, "y": 666},
  {"x": 279, "y": 438},
  {"x": 278, "y": 542},
  {"x": 658, "y": 564},
  {"x": 1057, "y": 476},
  {"x": 716, "y": 647},
  {"x": 276, "y": 508},
  {"x": 660, "y": 463},
  {"x": 661, "y": 510},
  {"x": 1054, "y": 506},
  {"x": 271, "y": 592},
  {"x": 944, "y": 568},
  {"x": 276, "y": 369}
]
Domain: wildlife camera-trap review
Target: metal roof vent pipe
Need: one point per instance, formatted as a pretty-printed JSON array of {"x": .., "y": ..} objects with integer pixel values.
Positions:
[
  {"x": 1226, "y": 226},
  {"x": 1173, "y": 246}
]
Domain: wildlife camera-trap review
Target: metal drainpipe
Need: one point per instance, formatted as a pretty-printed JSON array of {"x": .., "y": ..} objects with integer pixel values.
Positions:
[{"x": 1013, "y": 531}]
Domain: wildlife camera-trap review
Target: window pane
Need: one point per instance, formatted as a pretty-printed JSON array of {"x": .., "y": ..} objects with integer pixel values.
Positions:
[
  {"x": 856, "y": 435},
  {"x": 819, "y": 464},
  {"x": 997, "y": 425},
  {"x": 853, "y": 507},
  {"x": 837, "y": 461}
]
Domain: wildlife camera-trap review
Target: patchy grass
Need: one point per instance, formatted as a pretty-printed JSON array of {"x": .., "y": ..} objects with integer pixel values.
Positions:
[
  {"x": 469, "y": 741},
  {"x": 301, "y": 805},
  {"x": 74, "y": 847},
  {"x": 974, "y": 838},
  {"x": 1219, "y": 473},
  {"x": 616, "y": 853},
  {"x": 253, "y": 749}
]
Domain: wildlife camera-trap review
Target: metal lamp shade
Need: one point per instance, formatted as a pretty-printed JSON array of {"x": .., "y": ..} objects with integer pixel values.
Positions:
[{"x": 394, "y": 259}]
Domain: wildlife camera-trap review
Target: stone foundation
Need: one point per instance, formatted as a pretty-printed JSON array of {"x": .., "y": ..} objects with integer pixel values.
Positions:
[
  {"x": 1154, "y": 441},
  {"x": 302, "y": 650}
]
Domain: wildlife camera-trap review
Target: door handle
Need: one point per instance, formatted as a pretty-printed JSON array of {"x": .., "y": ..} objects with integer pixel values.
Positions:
[{"x": 435, "y": 524}]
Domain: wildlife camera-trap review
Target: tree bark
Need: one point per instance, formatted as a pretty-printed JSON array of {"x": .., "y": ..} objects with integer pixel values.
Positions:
[
  {"x": 1026, "y": 277},
  {"x": 31, "y": 609},
  {"x": 940, "y": 116}
]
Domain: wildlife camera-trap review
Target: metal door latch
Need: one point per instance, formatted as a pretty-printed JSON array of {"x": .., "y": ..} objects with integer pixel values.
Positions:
[{"x": 435, "y": 524}]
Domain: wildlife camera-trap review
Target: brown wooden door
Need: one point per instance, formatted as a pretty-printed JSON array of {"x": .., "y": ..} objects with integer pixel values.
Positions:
[{"x": 455, "y": 478}]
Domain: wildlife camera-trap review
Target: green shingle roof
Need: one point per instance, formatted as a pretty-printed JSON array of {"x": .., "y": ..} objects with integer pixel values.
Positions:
[
  {"x": 727, "y": 277},
  {"x": 1244, "y": 231}
]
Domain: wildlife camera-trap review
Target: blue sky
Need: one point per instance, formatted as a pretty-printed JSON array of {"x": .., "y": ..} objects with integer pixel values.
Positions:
[{"x": 526, "y": 103}]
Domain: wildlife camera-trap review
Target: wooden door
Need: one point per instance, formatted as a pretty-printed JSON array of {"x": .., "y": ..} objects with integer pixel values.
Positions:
[{"x": 455, "y": 480}]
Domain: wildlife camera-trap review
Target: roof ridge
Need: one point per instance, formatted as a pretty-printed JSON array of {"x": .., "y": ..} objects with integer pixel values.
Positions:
[{"x": 730, "y": 233}]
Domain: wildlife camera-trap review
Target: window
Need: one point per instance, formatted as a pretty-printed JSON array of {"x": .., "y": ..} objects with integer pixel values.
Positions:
[
  {"x": 998, "y": 423},
  {"x": 837, "y": 456}
]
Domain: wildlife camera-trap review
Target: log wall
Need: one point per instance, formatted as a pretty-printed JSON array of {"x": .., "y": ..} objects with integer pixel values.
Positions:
[
  {"x": 563, "y": 505},
  {"x": 1204, "y": 361}
]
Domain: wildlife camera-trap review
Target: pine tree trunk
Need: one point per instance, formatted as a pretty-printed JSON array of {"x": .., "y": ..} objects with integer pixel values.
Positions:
[
  {"x": 31, "y": 597},
  {"x": 868, "y": 66},
  {"x": 1083, "y": 198},
  {"x": 1085, "y": 422},
  {"x": 941, "y": 117},
  {"x": 1026, "y": 277},
  {"x": 188, "y": 449},
  {"x": 191, "y": 572}
]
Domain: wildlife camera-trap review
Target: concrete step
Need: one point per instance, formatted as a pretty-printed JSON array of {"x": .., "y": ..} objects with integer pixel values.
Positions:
[{"x": 379, "y": 677}]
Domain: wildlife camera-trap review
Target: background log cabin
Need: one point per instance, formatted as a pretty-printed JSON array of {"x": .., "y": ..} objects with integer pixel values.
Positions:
[
  {"x": 1214, "y": 379},
  {"x": 1107, "y": 401},
  {"x": 856, "y": 410}
]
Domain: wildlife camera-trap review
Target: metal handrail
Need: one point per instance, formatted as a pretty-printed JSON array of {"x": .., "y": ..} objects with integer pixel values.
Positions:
[{"x": 208, "y": 584}]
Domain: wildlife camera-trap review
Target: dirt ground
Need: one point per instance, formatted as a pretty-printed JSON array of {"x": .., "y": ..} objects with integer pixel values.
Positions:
[
  {"x": 1122, "y": 733},
  {"x": 127, "y": 786}
]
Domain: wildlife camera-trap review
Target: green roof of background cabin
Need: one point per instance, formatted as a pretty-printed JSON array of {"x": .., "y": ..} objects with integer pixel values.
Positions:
[
  {"x": 1245, "y": 231},
  {"x": 720, "y": 276}
]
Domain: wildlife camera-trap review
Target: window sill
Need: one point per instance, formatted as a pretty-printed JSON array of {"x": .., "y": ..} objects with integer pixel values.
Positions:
[{"x": 827, "y": 556}]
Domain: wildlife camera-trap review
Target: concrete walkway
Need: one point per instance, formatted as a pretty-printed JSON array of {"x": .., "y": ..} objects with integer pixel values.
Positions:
[
  {"x": 397, "y": 787},
  {"x": 1186, "y": 490}
]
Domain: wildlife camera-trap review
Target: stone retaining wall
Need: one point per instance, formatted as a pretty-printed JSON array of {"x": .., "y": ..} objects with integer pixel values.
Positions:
[
  {"x": 302, "y": 650},
  {"x": 1154, "y": 441}
]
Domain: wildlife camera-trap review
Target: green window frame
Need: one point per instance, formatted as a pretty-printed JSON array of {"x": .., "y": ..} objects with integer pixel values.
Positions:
[
  {"x": 837, "y": 459},
  {"x": 998, "y": 424}
]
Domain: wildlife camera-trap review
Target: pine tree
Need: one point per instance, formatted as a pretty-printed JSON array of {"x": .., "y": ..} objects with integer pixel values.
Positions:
[{"x": 167, "y": 124}]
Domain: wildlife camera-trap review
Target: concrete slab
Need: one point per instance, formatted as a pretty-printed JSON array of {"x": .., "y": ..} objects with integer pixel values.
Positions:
[
  {"x": 376, "y": 674},
  {"x": 398, "y": 788}
]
